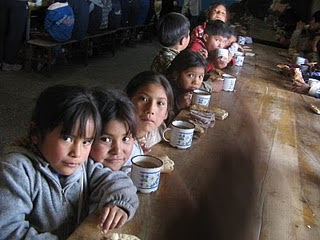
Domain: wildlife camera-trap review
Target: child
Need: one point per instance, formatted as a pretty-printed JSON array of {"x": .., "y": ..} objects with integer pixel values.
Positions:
[
  {"x": 216, "y": 36},
  {"x": 186, "y": 74},
  {"x": 48, "y": 188},
  {"x": 59, "y": 21},
  {"x": 173, "y": 30},
  {"x": 217, "y": 11},
  {"x": 119, "y": 127},
  {"x": 301, "y": 39},
  {"x": 152, "y": 96}
]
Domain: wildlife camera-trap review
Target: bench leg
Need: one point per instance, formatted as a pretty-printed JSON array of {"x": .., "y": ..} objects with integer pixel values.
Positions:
[{"x": 29, "y": 54}]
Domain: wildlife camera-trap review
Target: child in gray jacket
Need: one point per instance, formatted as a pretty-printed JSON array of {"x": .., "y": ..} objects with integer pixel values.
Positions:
[{"x": 48, "y": 186}]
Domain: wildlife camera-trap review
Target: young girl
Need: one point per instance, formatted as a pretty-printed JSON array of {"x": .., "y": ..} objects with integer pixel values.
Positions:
[
  {"x": 152, "y": 96},
  {"x": 186, "y": 74},
  {"x": 116, "y": 145},
  {"x": 47, "y": 188},
  {"x": 217, "y": 11}
]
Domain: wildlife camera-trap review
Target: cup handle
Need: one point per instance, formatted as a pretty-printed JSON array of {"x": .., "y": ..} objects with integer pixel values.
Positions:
[{"x": 164, "y": 134}]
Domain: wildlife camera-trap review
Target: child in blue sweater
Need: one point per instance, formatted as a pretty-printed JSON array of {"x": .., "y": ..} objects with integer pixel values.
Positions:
[{"x": 59, "y": 21}]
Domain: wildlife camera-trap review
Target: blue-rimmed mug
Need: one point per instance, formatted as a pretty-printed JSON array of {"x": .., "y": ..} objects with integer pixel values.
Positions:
[
  {"x": 145, "y": 173},
  {"x": 181, "y": 134}
]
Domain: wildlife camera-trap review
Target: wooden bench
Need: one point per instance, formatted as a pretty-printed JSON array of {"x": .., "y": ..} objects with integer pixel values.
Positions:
[
  {"x": 90, "y": 42},
  {"x": 46, "y": 47},
  {"x": 46, "y": 56}
]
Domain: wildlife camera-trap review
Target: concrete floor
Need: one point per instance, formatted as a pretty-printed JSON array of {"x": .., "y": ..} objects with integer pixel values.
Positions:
[{"x": 19, "y": 90}]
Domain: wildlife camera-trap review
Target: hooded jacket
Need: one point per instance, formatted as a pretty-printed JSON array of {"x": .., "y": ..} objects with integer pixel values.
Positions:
[
  {"x": 37, "y": 203},
  {"x": 59, "y": 21}
]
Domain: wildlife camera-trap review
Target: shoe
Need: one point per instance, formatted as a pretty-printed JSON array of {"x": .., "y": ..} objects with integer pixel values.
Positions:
[{"x": 11, "y": 67}]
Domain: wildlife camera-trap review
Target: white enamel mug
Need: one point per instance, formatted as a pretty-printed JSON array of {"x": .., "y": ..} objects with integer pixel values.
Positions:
[
  {"x": 201, "y": 97},
  {"x": 223, "y": 53},
  {"x": 181, "y": 134},
  {"x": 145, "y": 173},
  {"x": 300, "y": 60},
  {"x": 229, "y": 82},
  {"x": 239, "y": 56}
]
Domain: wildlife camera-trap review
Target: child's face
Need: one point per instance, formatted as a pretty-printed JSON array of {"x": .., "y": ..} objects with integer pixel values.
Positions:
[
  {"x": 114, "y": 147},
  {"x": 214, "y": 42},
  {"x": 66, "y": 154},
  {"x": 151, "y": 108},
  {"x": 220, "y": 12},
  {"x": 191, "y": 78}
]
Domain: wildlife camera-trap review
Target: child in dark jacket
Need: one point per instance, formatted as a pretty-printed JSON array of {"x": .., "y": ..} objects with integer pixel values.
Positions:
[{"x": 59, "y": 21}]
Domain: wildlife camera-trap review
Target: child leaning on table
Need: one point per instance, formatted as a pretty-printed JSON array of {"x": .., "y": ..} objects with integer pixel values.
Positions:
[
  {"x": 47, "y": 188},
  {"x": 186, "y": 74},
  {"x": 151, "y": 93},
  {"x": 173, "y": 30},
  {"x": 116, "y": 144}
]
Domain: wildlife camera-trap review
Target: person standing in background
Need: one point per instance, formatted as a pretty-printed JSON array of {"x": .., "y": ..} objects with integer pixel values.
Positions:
[
  {"x": 191, "y": 9},
  {"x": 13, "y": 20}
]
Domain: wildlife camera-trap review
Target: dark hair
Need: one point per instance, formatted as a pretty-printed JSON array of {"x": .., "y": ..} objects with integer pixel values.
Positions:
[
  {"x": 213, "y": 6},
  {"x": 187, "y": 59},
  {"x": 172, "y": 28},
  {"x": 316, "y": 16},
  {"x": 218, "y": 27},
  {"x": 115, "y": 105},
  {"x": 65, "y": 106},
  {"x": 145, "y": 78}
]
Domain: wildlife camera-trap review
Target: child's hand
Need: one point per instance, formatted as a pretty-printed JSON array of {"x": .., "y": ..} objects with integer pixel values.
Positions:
[
  {"x": 203, "y": 52},
  {"x": 112, "y": 217},
  {"x": 217, "y": 85},
  {"x": 185, "y": 100},
  {"x": 221, "y": 64}
]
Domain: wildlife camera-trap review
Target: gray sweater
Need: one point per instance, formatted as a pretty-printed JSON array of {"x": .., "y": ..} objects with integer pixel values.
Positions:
[{"x": 37, "y": 203}]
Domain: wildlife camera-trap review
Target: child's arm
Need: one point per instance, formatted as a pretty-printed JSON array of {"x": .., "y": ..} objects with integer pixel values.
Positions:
[
  {"x": 112, "y": 217},
  {"x": 111, "y": 188}
]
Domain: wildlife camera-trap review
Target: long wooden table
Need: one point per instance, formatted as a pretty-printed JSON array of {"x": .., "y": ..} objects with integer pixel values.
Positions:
[{"x": 254, "y": 175}]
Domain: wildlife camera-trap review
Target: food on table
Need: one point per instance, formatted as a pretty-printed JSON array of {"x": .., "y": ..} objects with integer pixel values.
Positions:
[
  {"x": 285, "y": 66},
  {"x": 168, "y": 164},
  {"x": 219, "y": 113},
  {"x": 315, "y": 108},
  {"x": 120, "y": 236}
]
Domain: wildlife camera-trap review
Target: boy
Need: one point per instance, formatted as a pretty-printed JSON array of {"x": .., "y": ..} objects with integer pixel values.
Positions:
[
  {"x": 216, "y": 36},
  {"x": 173, "y": 29},
  {"x": 59, "y": 21}
]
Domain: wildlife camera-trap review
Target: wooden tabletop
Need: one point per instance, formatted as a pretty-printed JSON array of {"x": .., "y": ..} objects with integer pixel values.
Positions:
[{"x": 254, "y": 175}]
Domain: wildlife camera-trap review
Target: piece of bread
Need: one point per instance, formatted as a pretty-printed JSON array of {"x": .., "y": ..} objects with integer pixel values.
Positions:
[
  {"x": 285, "y": 66},
  {"x": 315, "y": 108},
  {"x": 168, "y": 164},
  {"x": 219, "y": 113},
  {"x": 120, "y": 236}
]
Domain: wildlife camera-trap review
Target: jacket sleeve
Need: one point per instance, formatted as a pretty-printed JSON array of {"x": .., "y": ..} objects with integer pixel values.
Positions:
[
  {"x": 111, "y": 187},
  {"x": 16, "y": 202},
  {"x": 51, "y": 18}
]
